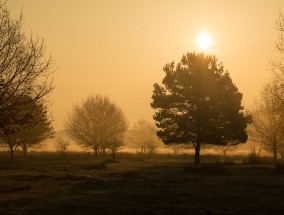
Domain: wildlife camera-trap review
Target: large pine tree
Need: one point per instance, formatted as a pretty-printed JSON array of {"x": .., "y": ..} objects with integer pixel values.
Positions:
[{"x": 197, "y": 103}]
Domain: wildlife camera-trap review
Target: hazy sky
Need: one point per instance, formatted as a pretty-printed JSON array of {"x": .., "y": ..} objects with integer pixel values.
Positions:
[{"x": 119, "y": 47}]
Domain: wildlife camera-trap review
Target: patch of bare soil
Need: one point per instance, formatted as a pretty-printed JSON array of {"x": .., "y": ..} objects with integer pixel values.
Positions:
[{"x": 130, "y": 186}]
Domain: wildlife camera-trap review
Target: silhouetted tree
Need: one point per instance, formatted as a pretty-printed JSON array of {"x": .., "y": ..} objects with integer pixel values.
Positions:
[
  {"x": 33, "y": 136},
  {"x": 24, "y": 70},
  {"x": 143, "y": 136},
  {"x": 95, "y": 123},
  {"x": 268, "y": 120},
  {"x": 27, "y": 128},
  {"x": 198, "y": 103}
]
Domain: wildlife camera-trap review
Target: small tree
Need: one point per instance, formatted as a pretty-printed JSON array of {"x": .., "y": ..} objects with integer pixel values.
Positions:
[
  {"x": 143, "y": 136},
  {"x": 268, "y": 120},
  {"x": 33, "y": 136},
  {"x": 95, "y": 122},
  {"x": 62, "y": 145},
  {"x": 28, "y": 128},
  {"x": 9, "y": 138},
  {"x": 114, "y": 145},
  {"x": 254, "y": 145},
  {"x": 198, "y": 103}
]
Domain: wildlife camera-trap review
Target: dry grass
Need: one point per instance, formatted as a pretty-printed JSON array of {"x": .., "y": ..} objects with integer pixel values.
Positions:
[{"x": 137, "y": 184}]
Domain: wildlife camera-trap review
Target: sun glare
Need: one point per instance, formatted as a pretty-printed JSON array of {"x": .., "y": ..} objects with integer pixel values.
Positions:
[{"x": 204, "y": 41}]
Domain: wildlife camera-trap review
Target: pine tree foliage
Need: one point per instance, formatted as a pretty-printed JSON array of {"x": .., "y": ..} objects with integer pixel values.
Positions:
[{"x": 198, "y": 103}]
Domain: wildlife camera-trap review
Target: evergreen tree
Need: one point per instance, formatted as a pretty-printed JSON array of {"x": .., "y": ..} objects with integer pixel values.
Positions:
[{"x": 198, "y": 103}]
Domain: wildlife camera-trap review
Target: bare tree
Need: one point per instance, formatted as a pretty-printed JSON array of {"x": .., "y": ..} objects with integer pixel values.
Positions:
[
  {"x": 277, "y": 65},
  {"x": 24, "y": 69},
  {"x": 255, "y": 146},
  {"x": 114, "y": 145},
  {"x": 267, "y": 126},
  {"x": 280, "y": 28},
  {"x": 143, "y": 136},
  {"x": 62, "y": 145},
  {"x": 95, "y": 123}
]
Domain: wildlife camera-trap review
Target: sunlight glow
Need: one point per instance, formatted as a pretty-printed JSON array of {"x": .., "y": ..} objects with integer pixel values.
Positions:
[{"x": 204, "y": 41}]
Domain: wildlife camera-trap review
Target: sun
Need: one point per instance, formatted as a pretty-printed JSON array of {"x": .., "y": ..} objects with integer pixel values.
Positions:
[{"x": 204, "y": 41}]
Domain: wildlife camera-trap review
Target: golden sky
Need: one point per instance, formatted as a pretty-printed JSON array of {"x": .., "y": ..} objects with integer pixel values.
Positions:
[{"x": 119, "y": 47}]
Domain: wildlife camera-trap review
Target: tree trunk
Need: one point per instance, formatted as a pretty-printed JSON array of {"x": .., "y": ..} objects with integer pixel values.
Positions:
[
  {"x": 275, "y": 155},
  {"x": 25, "y": 150},
  {"x": 11, "y": 154},
  {"x": 113, "y": 154},
  {"x": 197, "y": 154},
  {"x": 96, "y": 151},
  {"x": 260, "y": 148},
  {"x": 25, "y": 153},
  {"x": 225, "y": 152}
]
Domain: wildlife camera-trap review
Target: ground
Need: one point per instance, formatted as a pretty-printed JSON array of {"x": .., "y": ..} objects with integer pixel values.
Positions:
[{"x": 137, "y": 185}]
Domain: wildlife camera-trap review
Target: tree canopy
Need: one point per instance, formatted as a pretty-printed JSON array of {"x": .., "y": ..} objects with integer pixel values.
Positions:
[
  {"x": 198, "y": 103},
  {"x": 24, "y": 69},
  {"x": 96, "y": 123},
  {"x": 267, "y": 126},
  {"x": 28, "y": 127}
]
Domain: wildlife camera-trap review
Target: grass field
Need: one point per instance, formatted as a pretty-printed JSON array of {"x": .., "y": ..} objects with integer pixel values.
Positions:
[{"x": 137, "y": 184}]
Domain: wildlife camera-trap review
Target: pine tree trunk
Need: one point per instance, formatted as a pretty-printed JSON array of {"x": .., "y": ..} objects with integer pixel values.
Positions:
[
  {"x": 25, "y": 153},
  {"x": 197, "y": 154}
]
